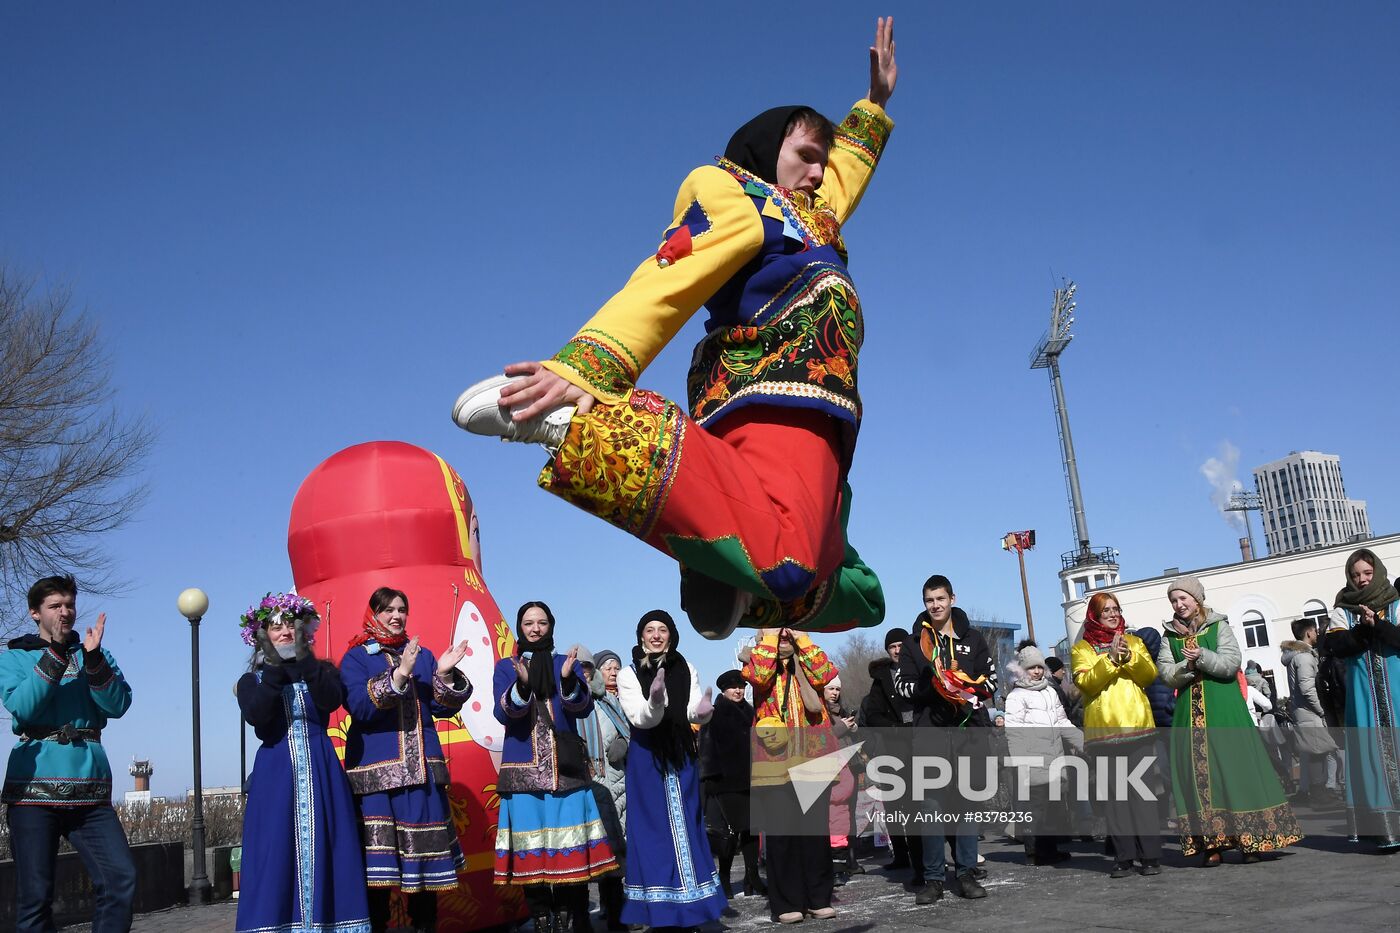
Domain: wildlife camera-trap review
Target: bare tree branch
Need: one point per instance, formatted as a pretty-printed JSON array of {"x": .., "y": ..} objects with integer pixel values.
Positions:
[
  {"x": 69, "y": 461},
  {"x": 853, "y": 659}
]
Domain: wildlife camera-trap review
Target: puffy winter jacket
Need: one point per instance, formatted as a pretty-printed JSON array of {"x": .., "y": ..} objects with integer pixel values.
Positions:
[
  {"x": 1036, "y": 726},
  {"x": 1159, "y": 694}
]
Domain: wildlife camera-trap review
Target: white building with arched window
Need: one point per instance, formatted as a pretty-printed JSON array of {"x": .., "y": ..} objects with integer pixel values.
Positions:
[{"x": 1262, "y": 598}]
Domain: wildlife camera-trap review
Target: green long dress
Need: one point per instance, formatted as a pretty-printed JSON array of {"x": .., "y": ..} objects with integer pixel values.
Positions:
[{"x": 1226, "y": 791}]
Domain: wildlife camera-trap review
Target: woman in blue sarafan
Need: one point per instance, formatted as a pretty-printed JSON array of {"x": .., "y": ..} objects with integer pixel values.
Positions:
[
  {"x": 393, "y": 689},
  {"x": 303, "y": 871},
  {"x": 1366, "y": 638},
  {"x": 673, "y": 886}
]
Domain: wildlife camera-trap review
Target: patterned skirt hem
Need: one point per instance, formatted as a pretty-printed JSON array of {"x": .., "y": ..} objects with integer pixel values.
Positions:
[
  {"x": 1265, "y": 830},
  {"x": 554, "y": 876}
]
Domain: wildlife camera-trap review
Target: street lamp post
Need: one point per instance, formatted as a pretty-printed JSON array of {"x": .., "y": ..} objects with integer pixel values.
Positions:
[{"x": 193, "y": 604}]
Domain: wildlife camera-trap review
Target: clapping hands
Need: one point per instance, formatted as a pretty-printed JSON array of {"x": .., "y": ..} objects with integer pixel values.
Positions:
[
  {"x": 706, "y": 706},
  {"x": 570, "y": 660},
  {"x": 92, "y": 641},
  {"x": 452, "y": 657},
  {"x": 1118, "y": 651}
]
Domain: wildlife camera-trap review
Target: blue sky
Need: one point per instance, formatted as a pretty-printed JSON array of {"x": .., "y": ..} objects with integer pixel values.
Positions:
[{"x": 301, "y": 228}]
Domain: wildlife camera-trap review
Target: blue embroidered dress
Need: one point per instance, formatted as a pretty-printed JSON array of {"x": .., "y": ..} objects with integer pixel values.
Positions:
[
  {"x": 1371, "y": 655},
  {"x": 303, "y": 871},
  {"x": 671, "y": 880},
  {"x": 394, "y": 760},
  {"x": 549, "y": 828}
]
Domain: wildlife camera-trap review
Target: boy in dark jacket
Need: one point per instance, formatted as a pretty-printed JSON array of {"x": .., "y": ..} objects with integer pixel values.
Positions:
[{"x": 947, "y": 674}]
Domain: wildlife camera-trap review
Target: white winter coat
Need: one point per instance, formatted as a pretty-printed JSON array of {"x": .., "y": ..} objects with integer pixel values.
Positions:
[{"x": 1036, "y": 726}]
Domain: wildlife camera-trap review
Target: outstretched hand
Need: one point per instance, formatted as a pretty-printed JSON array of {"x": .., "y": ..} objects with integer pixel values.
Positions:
[
  {"x": 540, "y": 391},
  {"x": 92, "y": 641},
  {"x": 409, "y": 656},
  {"x": 883, "y": 70},
  {"x": 706, "y": 706},
  {"x": 658, "y": 686},
  {"x": 522, "y": 673},
  {"x": 452, "y": 657},
  {"x": 570, "y": 660}
]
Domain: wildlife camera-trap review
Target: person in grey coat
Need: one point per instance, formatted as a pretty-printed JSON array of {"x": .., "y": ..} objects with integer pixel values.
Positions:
[
  {"x": 605, "y": 734},
  {"x": 1319, "y": 780}
]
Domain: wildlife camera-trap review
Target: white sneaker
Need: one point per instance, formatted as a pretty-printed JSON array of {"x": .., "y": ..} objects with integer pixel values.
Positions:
[{"x": 479, "y": 411}]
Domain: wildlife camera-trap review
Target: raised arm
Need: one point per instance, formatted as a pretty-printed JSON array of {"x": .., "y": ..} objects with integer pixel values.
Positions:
[
  {"x": 820, "y": 670},
  {"x": 762, "y": 665},
  {"x": 861, "y": 136}
]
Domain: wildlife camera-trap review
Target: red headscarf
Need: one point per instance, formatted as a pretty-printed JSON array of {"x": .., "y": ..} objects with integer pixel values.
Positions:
[
  {"x": 1095, "y": 632},
  {"x": 374, "y": 631}
]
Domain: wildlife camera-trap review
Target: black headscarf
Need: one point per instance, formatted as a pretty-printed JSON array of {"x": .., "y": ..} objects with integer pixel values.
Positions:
[
  {"x": 673, "y": 741},
  {"x": 542, "y": 659},
  {"x": 755, "y": 145}
]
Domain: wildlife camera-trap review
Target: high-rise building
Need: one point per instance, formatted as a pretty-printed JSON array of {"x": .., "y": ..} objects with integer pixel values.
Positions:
[{"x": 1305, "y": 504}]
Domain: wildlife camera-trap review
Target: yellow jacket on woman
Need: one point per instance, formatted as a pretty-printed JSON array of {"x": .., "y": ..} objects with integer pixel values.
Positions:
[{"x": 1116, "y": 708}]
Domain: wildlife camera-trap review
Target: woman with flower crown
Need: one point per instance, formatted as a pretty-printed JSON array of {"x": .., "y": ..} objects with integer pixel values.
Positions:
[
  {"x": 394, "y": 759},
  {"x": 303, "y": 869}
]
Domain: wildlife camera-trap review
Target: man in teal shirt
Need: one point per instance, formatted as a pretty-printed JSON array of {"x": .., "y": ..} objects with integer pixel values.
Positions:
[{"x": 60, "y": 692}]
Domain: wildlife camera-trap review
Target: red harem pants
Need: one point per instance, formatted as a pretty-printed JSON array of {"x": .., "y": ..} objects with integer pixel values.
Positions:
[{"x": 758, "y": 502}]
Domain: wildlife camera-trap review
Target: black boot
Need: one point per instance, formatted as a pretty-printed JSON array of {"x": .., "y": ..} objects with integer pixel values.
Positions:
[
  {"x": 753, "y": 884},
  {"x": 916, "y": 858},
  {"x": 899, "y": 847},
  {"x": 728, "y": 845},
  {"x": 539, "y": 898},
  {"x": 838, "y": 865}
]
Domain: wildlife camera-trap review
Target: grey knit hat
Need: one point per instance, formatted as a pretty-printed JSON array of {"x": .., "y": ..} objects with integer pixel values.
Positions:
[
  {"x": 604, "y": 656},
  {"x": 1190, "y": 586},
  {"x": 1029, "y": 657}
]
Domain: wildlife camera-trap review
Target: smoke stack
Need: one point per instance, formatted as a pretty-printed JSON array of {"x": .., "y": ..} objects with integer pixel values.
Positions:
[{"x": 1246, "y": 551}]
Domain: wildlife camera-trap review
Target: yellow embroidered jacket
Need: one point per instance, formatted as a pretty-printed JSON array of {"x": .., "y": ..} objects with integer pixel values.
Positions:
[{"x": 785, "y": 324}]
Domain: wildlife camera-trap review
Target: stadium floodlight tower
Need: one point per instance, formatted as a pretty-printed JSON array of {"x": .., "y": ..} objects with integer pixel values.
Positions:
[{"x": 1085, "y": 568}]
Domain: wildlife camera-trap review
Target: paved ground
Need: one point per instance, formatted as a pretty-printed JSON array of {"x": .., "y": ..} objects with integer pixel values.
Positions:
[{"x": 1322, "y": 881}]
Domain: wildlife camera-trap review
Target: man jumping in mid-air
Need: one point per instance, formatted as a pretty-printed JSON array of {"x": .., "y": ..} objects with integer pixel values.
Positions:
[{"x": 748, "y": 491}]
